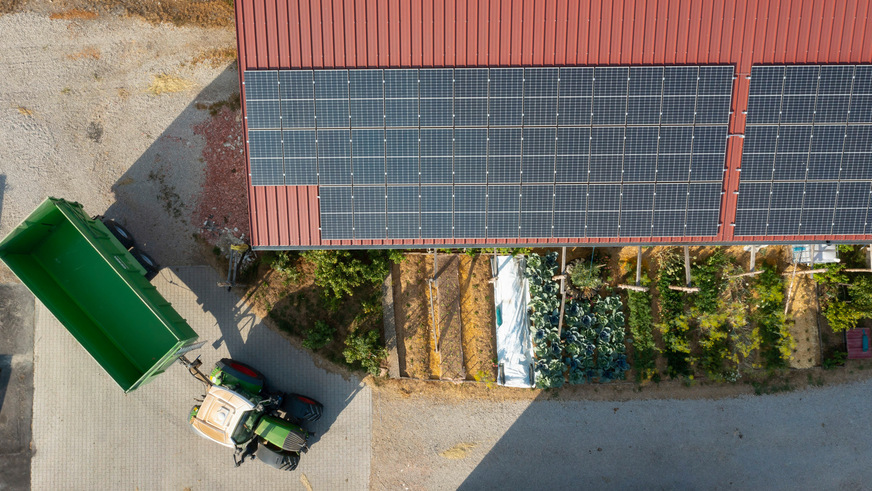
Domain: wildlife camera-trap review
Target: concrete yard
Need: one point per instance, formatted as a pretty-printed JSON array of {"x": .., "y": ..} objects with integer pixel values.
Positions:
[{"x": 87, "y": 434}]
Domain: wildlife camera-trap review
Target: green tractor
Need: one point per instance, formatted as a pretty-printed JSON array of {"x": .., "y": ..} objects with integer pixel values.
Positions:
[
  {"x": 89, "y": 274},
  {"x": 238, "y": 412}
]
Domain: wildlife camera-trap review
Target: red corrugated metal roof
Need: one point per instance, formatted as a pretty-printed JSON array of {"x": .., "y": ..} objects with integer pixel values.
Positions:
[{"x": 287, "y": 34}]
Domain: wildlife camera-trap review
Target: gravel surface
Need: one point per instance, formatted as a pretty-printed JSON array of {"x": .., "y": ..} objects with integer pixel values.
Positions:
[
  {"x": 813, "y": 439},
  {"x": 78, "y": 121}
]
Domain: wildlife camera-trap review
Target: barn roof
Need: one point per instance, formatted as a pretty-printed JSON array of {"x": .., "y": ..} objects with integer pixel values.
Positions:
[{"x": 329, "y": 34}]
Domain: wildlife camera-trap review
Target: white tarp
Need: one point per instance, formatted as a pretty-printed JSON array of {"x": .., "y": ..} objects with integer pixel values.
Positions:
[
  {"x": 514, "y": 350},
  {"x": 821, "y": 253}
]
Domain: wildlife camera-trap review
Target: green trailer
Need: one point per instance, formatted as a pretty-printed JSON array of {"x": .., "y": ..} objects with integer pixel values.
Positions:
[{"x": 95, "y": 287}]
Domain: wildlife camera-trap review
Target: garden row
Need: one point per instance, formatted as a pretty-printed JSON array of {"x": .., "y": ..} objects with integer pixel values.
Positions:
[
  {"x": 588, "y": 346},
  {"x": 736, "y": 322},
  {"x": 732, "y": 324}
]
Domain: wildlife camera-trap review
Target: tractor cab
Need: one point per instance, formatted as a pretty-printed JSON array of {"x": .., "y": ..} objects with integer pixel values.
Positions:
[{"x": 225, "y": 417}]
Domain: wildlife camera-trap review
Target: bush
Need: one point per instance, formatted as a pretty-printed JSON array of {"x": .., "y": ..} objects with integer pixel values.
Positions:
[
  {"x": 842, "y": 316},
  {"x": 284, "y": 263},
  {"x": 340, "y": 272},
  {"x": 861, "y": 293},
  {"x": 318, "y": 336},
  {"x": 641, "y": 329},
  {"x": 674, "y": 324},
  {"x": 514, "y": 251},
  {"x": 706, "y": 277},
  {"x": 833, "y": 275},
  {"x": 586, "y": 277},
  {"x": 836, "y": 360},
  {"x": 712, "y": 310},
  {"x": 776, "y": 342},
  {"x": 366, "y": 350}
]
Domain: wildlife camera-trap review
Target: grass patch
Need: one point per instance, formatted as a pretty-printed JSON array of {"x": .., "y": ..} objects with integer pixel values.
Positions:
[{"x": 168, "y": 84}]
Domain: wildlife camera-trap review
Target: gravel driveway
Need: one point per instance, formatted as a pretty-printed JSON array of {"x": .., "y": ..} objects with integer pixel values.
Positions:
[
  {"x": 83, "y": 118},
  {"x": 813, "y": 439}
]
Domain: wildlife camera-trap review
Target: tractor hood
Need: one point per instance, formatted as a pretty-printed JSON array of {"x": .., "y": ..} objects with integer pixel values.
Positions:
[{"x": 220, "y": 414}]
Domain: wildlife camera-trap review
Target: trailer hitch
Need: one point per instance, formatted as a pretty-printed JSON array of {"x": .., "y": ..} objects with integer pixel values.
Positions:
[{"x": 194, "y": 369}]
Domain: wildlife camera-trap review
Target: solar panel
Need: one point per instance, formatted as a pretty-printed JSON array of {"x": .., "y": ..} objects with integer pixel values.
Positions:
[
  {"x": 805, "y": 151},
  {"x": 464, "y": 146}
]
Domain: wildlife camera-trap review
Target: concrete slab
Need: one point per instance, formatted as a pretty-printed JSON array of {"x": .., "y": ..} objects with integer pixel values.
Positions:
[
  {"x": 16, "y": 385},
  {"x": 90, "y": 435}
]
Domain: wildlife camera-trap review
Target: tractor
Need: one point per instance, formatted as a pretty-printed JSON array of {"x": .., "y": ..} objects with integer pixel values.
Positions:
[{"x": 239, "y": 412}]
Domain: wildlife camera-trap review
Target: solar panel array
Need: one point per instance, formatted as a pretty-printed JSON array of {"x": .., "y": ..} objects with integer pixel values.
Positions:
[
  {"x": 497, "y": 152},
  {"x": 807, "y": 158}
]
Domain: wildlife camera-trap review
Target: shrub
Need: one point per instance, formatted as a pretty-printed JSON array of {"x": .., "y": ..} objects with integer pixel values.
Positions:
[
  {"x": 318, "y": 336},
  {"x": 841, "y": 315},
  {"x": 836, "y": 360},
  {"x": 716, "y": 313},
  {"x": 861, "y": 293},
  {"x": 776, "y": 342},
  {"x": 340, "y": 272},
  {"x": 514, "y": 251},
  {"x": 641, "y": 329},
  {"x": 834, "y": 274},
  {"x": 586, "y": 277},
  {"x": 706, "y": 277},
  {"x": 284, "y": 263},
  {"x": 365, "y": 349},
  {"x": 676, "y": 345},
  {"x": 674, "y": 324}
]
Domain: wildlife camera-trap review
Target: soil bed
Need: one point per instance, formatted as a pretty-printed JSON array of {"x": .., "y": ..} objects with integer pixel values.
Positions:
[
  {"x": 479, "y": 323},
  {"x": 413, "y": 320}
]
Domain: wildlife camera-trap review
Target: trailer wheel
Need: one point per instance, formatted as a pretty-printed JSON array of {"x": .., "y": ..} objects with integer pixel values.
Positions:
[
  {"x": 150, "y": 265},
  {"x": 120, "y": 233}
]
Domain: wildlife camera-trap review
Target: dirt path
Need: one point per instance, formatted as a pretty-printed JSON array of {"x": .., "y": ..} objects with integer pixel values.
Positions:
[
  {"x": 412, "y": 312},
  {"x": 449, "y": 319},
  {"x": 804, "y": 329},
  {"x": 435, "y": 441}
]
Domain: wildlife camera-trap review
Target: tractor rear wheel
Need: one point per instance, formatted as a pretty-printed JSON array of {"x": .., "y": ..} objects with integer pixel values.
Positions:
[{"x": 274, "y": 457}]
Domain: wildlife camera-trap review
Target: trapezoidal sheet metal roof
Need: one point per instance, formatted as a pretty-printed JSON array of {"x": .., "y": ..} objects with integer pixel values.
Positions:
[{"x": 315, "y": 34}]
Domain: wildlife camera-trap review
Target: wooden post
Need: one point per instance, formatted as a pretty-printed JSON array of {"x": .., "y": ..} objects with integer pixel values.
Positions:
[
  {"x": 686, "y": 289},
  {"x": 639, "y": 267},
  {"x": 687, "y": 265},
  {"x": 809, "y": 271},
  {"x": 435, "y": 265},
  {"x": 753, "y": 257},
  {"x": 433, "y": 283},
  {"x": 562, "y": 289},
  {"x": 752, "y": 273},
  {"x": 869, "y": 256},
  {"x": 635, "y": 288},
  {"x": 811, "y": 255},
  {"x": 792, "y": 284}
]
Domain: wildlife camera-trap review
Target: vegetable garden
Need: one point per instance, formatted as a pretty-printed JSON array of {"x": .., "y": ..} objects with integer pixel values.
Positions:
[{"x": 731, "y": 324}]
